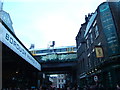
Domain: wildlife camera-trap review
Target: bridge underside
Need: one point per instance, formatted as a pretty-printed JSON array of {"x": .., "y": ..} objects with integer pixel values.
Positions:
[{"x": 58, "y": 67}]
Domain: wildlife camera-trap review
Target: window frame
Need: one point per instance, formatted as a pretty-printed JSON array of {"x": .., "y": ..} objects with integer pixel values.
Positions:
[{"x": 96, "y": 31}]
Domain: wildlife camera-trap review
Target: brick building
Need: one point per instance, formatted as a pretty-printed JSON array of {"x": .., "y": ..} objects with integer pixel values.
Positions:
[{"x": 98, "y": 46}]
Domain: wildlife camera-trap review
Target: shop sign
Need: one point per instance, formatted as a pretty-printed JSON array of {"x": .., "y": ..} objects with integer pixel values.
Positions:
[
  {"x": 109, "y": 29},
  {"x": 99, "y": 52},
  {"x": 9, "y": 40}
]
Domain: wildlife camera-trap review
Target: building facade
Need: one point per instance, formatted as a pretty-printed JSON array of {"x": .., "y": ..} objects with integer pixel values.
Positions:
[
  {"x": 61, "y": 81},
  {"x": 98, "y": 46},
  {"x": 58, "y": 81}
]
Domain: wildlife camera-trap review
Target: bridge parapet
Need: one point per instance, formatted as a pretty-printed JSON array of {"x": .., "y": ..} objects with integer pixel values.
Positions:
[
  {"x": 71, "y": 57},
  {"x": 64, "y": 54}
]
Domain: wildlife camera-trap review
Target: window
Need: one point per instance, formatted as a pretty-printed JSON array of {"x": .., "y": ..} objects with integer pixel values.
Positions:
[
  {"x": 87, "y": 43},
  {"x": 83, "y": 65},
  {"x": 74, "y": 48},
  {"x": 69, "y": 49},
  {"x": 91, "y": 38},
  {"x": 99, "y": 43},
  {"x": 44, "y": 51},
  {"x": 62, "y": 80},
  {"x": 63, "y": 50},
  {"x": 57, "y": 50},
  {"x": 59, "y": 80},
  {"x": 79, "y": 46},
  {"x": 90, "y": 30},
  {"x": 94, "y": 23},
  {"x": 89, "y": 62},
  {"x": 62, "y": 75},
  {"x": 96, "y": 31},
  {"x": 38, "y": 51}
]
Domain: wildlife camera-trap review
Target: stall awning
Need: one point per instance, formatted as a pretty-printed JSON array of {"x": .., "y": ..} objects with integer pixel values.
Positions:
[{"x": 11, "y": 41}]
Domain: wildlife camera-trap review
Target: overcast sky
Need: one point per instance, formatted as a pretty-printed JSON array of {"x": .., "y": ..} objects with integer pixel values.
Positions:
[{"x": 41, "y": 21}]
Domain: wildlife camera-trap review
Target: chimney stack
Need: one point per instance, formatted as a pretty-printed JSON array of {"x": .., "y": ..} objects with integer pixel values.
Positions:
[{"x": 1, "y": 5}]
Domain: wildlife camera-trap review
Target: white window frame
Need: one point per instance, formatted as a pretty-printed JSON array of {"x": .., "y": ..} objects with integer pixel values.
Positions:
[
  {"x": 89, "y": 62},
  {"x": 94, "y": 23},
  {"x": 91, "y": 38},
  {"x": 88, "y": 44},
  {"x": 96, "y": 31}
]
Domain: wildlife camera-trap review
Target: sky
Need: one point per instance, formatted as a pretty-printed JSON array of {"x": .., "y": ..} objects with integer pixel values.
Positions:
[{"x": 40, "y": 21}]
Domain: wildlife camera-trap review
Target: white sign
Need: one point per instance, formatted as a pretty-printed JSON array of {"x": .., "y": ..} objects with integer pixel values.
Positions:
[{"x": 8, "y": 39}]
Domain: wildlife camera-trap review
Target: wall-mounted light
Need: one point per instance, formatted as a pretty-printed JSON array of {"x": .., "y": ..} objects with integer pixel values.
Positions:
[
  {"x": 16, "y": 72},
  {"x": 92, "y": 71},
  {"x": 95, "y": 69}
]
